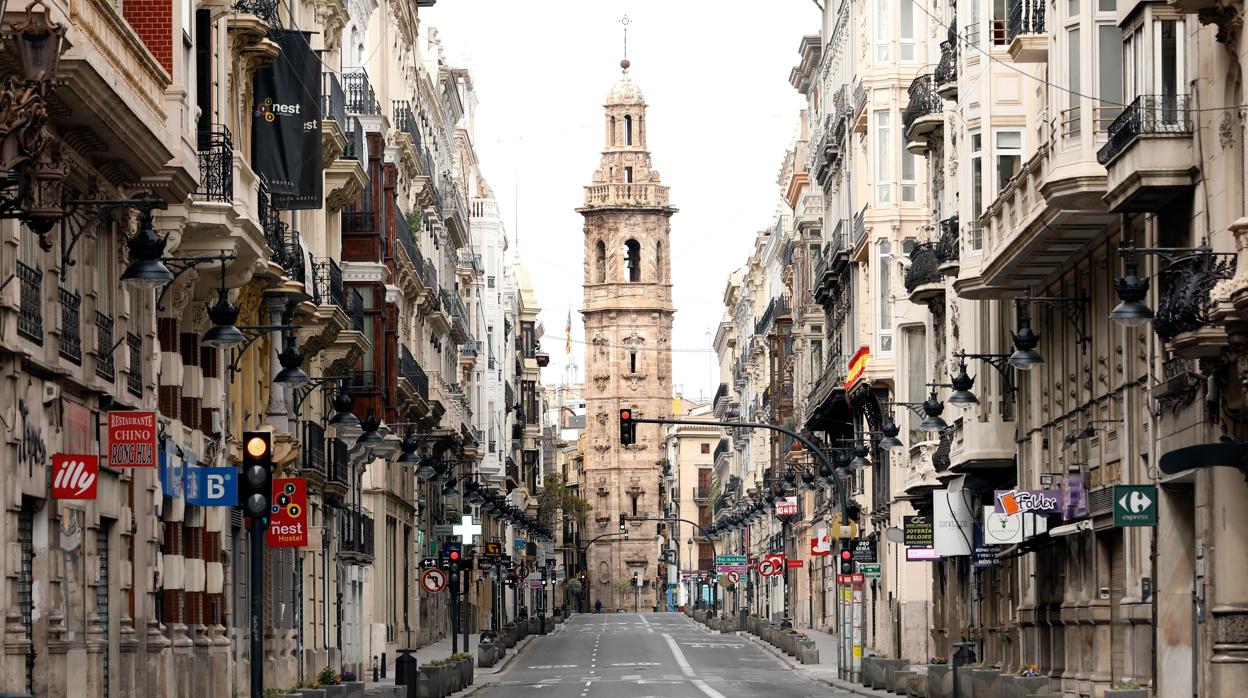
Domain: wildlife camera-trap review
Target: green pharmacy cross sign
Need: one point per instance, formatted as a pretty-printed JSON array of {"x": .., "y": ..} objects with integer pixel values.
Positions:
[{"x": 1135, "y": 505}]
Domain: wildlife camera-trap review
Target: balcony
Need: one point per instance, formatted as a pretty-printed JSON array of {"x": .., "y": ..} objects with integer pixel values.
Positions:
[
  {"x": 468, "y": 352},
  {"x": 826, "y": 148},
  {"x": 411, "y": 255},
  {"x": 720, "y": 402},
  {"x": 947, "y": 247},
  {"x": 30, "y": 292},
  {"x": 458, "y": 314},
  {"x": 701, "y": 493},
  {"x": 347, "y": 175},
  {"x": 946, "y": 73},
  {"x": 468, "y": 264},
  {"x": 722, "y": 451},
  {"x": 1024, "y": 32},
  {"x": 616, "y": 195},
  {"x": 777, "y": 308},
  {"x": 809, "y": 211},
  {"x": 285, "y": 250},
  {"x": 134, "y": 369},
  {"x": 355, "y": 534},
  {"x": 860, "y": 228},
  {"x": 923, "y": 278},
  {"x": 1149, "y": 155},
  {"x": 104, "y": 348},
  {"x": 859, "y": 114},
  {"x": 216, "y": 165},
  {"x": 417, "y": 381},
  {"x": 1184, "y": 310},
  {"x": 71, "y": 326},
  {"x": 267, "y": 10},
  {"x": 360, "y": 97},
  {"x": 333, "y": 117},
  {"x": 924, "y": 115},
  {"x": 314, "y": 460},
  {"x": 338, "y": 470},
  {"x": 327, "y": 282}
]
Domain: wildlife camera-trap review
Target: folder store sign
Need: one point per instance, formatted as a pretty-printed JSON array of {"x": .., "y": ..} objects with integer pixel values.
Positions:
[{"x": 288, "y": 519}]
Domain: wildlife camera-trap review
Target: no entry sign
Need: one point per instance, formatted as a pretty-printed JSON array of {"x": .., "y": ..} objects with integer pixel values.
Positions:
[{"x": 433, "y": 580}]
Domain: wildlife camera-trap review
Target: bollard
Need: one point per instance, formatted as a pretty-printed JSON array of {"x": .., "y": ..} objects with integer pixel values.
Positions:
[
  {"x": 963, "y": 654},
  {"x": 383, "y": 665},
  {"x": 376, "y": 670},
  {"x": 406, "y": 671}
]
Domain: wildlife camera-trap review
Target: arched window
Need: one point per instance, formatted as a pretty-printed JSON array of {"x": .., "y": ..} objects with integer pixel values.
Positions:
[
  {"x": 658, "y": 261},
  {"x": 600, "y": 263},
  {"x": 628, "y": 130},
  {"x": 632, "y": 260}
]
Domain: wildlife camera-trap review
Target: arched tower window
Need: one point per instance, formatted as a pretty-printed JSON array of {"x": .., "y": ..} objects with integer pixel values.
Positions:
[
  {"x": 612, "y": 136},
  {"x": 600, "y": 263},
  {"x": 628, "y": 130},
  {"x": 632, "y": 260},
  {"x": 658, "y": 261}
]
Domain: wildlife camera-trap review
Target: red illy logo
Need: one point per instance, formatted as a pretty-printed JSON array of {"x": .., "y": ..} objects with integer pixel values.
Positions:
[{"x": 74, "y": 476}]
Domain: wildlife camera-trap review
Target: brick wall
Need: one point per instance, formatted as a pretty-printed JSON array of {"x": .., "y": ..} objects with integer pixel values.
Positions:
[{"x": 152, "y": 20}]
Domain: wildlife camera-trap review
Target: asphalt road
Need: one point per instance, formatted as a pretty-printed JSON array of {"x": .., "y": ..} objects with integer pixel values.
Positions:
[{"x": 652, "y": 655}]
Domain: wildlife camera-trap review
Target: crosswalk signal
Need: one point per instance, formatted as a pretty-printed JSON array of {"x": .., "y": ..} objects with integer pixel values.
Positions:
[
  {"x": 623, "y": 522},
  {"x": 628, "y": 428},
  {"x": 847, "y": 562},
  {"x": 257, "y": 474}
]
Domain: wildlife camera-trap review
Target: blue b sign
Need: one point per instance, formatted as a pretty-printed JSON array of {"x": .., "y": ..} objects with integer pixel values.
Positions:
[
  {"x": 212, "y": 487},
  {"x": 520, "y": 543}
]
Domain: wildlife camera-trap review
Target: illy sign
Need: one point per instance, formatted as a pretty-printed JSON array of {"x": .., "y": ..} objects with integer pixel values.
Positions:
[{"x": 74, "y": 476}]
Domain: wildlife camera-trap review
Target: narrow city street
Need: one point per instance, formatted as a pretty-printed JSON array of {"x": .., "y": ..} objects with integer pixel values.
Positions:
[{"x": 637, "y": 655}]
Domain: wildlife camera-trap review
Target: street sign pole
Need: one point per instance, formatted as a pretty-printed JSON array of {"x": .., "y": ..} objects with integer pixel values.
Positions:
[{"x": 256, "y": 584}]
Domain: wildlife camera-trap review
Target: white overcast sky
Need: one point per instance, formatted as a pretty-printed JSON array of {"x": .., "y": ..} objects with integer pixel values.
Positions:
[{"x": 721, "y": 114}]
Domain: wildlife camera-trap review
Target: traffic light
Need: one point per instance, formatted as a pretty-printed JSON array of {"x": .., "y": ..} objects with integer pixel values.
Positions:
[
  {"x": 257, "y": 494},
  {"x": 628, "y": 428},
  {"x": 623, "y": 521},
  {"x": 847, "y": 561}
]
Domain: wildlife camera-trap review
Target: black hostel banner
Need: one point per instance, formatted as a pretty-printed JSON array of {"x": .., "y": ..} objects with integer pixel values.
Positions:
[{"x": 286, "y": 125}]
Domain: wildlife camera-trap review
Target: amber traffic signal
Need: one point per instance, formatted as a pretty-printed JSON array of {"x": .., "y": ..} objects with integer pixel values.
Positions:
[{"x": 257, "y": 478}]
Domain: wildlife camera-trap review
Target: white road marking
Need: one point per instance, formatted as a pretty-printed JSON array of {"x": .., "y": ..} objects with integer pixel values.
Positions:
[
  {"x": 688, "y": 670},
  {"x": 646, "y": 623}
]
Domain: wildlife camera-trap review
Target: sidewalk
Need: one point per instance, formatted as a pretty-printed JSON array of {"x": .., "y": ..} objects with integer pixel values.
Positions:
[{"x": 826, "y": 670}]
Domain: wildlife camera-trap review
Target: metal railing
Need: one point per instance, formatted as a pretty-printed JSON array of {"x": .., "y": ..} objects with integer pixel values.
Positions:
[
  {"x": 947, "y": 246},
  {"x": 215, "y": 147},
  {"x": 134, "y": 375},
  {"x": 340, "y": 462},
  {"x": 283, "y": 242},
  {"x": 104, "y": 347},
  {"x": 327, "y": 281},
  {"x": 721, "y": 449},
  {"x": 356, "y": 149},
  {"x": 428, "y": 274},
  {"x": 701, "y": 493},
  {"x": 405, "y": 120},
  {"x": 468, "y": 259},
  {"x": 406, "y": 240},
  {"x": 923, "y": 267},
  {"x": 30, "y": 321},
  {"x": 1186, "y": 289},
  {"x": 361, "y": 99},
  {"x": 355, "y": 309},
  {"x": 71, "y": 326},
  {"x": 333, "y": 99},
  {"x": 410, "y": 370},
  {"x": 451, "y": 196},
  {"x": 266, "y": 10},
  {"x": 860, "y": 226},
  {"x": 923, "y": 101},
  {"x": 455, "y": 307},
  {"x": 1147, "y": 115},
  {"x": 1024, "y": 17},
  {"x": 860, "y": 98},
  {"x": 355, "y": 530},
  {"x": 314, "y": 448},
  {"x": 947, "y": 70},
  {"x": 469, "y": 348}
]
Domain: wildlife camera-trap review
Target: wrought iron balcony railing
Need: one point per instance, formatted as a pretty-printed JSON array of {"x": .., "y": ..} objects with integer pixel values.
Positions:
[
  {"x": 1024, "y": 17},
  {"x": 286, "y": 250},
  {"x": 923, "y": 101},
  {"x": 30, "y": 321},
  {"x": 216, "y": 165},
  {"x": 71, "y": 326},
  {"x": 356, "y": 149},
  {"x": 923, "y": 267},
  {"x": 340, "y": 462},
  {"x": 266, "y": 10},
  {"x": 947, "y": 70},
  {"x": 355, "y": 531},
  {"x": 314, "y": 448},
  {"x": 1147, "y": 115},
  {"x": 860, "y": 226},
  {"x": 428, "y": 274},
  {"x": 721, "y": 449},
  {"x": 452, "y": 199},
  {"x": 455, "y": 307},
  {"x": 469, "y": 348},
  {"x": 360, "y": 96},
  {"x": 134, "y": 375},
  {"x": 355, "y": 309},
  {"x": 334, "y": 100},
  {"x": 947, "y": 249},
  {"x": 104, "y": 347},
  {"x": 407, "y": 241},
  {"x": 327, "y": 282},
  {"x": 860, "y": 98},
  {"x": 405, "y": 120},
  {"x": 1185, "y": 288},
  {"x": 412, "y": 372},
  {"x": 467, "y": 259}
]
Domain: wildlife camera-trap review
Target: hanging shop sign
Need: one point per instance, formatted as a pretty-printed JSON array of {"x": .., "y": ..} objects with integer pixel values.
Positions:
[
  {"x": 984, "y": 554},
  {"x": 171, "y": 466},
  {"x": 951, "y": 514},
  {"x": 820, "y": 544},
  {"x": 786, "y": 508},
  {"x": 1000, "y": 528},
  {"x": 921, "y": 554},
  {"x": 286, "y": 124},
  {"x": 1135, "y": 505},
  {"x": 288, "y": 522},
  {"x": 132, "y": 439},
  {"x": 870, "y": 570},
  {"x": 857, "y": 366},
  {"x": 212, "y": 487},
  {"x": 1076, "y": 505},
  {"x": 863, "y": 550},
  {"x": 1044, "y": 502},
  {"x": 917, "y": 531},
  {"x": 74, "y": 476}
]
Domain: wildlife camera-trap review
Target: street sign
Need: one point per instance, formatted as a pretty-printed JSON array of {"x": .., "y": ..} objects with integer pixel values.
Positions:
[
  {"x": 537, "y": 584},
  {"x": 730, "y": 560},
  {"x": 493, "y": 550},
  {"x": 983, "y": 554},
  {"x": 433, "y": 580},
  {"x": 863, "y": 550},
  {"x": 771, "y": 564},
  {"x": 1135, "y": 505},
  {"x": 857, "y": 578},
  {"x": 466, "y": 529},
  {"x": 844, "y": 579},
  {"x": 442, "y": 529},
  {"x": 796, "y": 564},
  {"x": 870, "y": 570},
  {"x": 522, "y": 572},
  {"x": 520, "y": 544},
  {"x": 918, "y": 531},
  {"x": 427, "y": 562},
  {"x": 734, "y": 577},
  {"x": 725, "y": 569}
]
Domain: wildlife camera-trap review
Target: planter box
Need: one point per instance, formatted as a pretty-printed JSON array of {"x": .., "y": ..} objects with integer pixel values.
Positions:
[
  {"x": 807, "y": 653},
  {"x": 1025, "y": 686},
  {"x": 1127, "y": 693},
  {"x": 469, "y": 674},
  {"x": 891, "y": 667},
  {"x": 354, "y": 689},
  {"x": 987, "y": 682},
  {"x": 966, "y": 682},
  {"x": 901, "y": 682},
  {"x": 312, "y": 693},
  {"x": 918, "y": 685},
  {"x": 338, "y": 691},
  {"x": 939, "y": 681},
  {"x": 870, "y": 670},
  {"x": 432, "y": 683}
]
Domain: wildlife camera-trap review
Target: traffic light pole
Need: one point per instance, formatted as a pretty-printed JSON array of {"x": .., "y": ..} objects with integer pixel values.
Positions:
[{"x": 256, "y": 587}]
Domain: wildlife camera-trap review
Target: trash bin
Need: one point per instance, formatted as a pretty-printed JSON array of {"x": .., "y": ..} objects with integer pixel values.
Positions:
[{"x": 963, "y": 654}]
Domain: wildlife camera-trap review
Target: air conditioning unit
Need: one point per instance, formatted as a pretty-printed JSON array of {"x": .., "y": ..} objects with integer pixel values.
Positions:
[{"x": 51, "y": 392}]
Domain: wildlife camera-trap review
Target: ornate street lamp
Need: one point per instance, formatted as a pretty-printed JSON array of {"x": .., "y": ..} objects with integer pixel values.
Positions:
[{"x": 291, "y": 359}]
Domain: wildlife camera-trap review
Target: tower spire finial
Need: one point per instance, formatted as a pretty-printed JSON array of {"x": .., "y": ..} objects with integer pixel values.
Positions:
[{"x": 624, "y": 21}]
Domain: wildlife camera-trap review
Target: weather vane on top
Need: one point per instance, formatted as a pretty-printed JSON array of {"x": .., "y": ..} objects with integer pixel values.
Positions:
[{"x": 625, "y": 22}]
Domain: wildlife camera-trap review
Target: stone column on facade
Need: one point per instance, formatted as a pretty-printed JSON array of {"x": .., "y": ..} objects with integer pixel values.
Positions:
[
  {"x": 96, "y": 646},
  {"x": 278, "y": 411},
  {"x": 127, "y": 651}
]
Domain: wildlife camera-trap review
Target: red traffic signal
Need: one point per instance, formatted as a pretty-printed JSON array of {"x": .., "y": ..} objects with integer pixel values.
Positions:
[
  {"x": 847, "y": 565},
  {"x": 845, "y": 554},
  {"x": 628, "y": 428},
  {"x": 454, "y": 555}
]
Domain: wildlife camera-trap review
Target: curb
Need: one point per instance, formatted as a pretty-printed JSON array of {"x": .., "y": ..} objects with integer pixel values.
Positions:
[{"x": 834, "y": 683}]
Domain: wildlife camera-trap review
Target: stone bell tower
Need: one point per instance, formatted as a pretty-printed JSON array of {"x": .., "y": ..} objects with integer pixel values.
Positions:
[{"x": 628, "y": 359}]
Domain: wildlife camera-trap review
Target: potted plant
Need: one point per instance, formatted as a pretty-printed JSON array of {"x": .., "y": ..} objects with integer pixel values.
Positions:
[
  {"x": 1127, "y": 688},
  {"x": 432, "y": 679},
  {"x": 465, "y": 668}
]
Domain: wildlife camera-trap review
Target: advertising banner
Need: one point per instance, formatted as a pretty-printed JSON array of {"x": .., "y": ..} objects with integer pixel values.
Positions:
[
  {"x": 918, "y": 531},
  {"x": 951, "y": 512},
  {"x": 820, "y": 545},
  {"x": 1043, "y": 502},
  {"x": 286, "y": 125},
  {"x": 212, "y": 487},
  {"x": 132, "y": 439},
  {"x": 786, "y": 507},
  {"x": 74, "y": 476},
  {"x": 288, "y": 522},
  {"x": 984, "y": 554}
]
